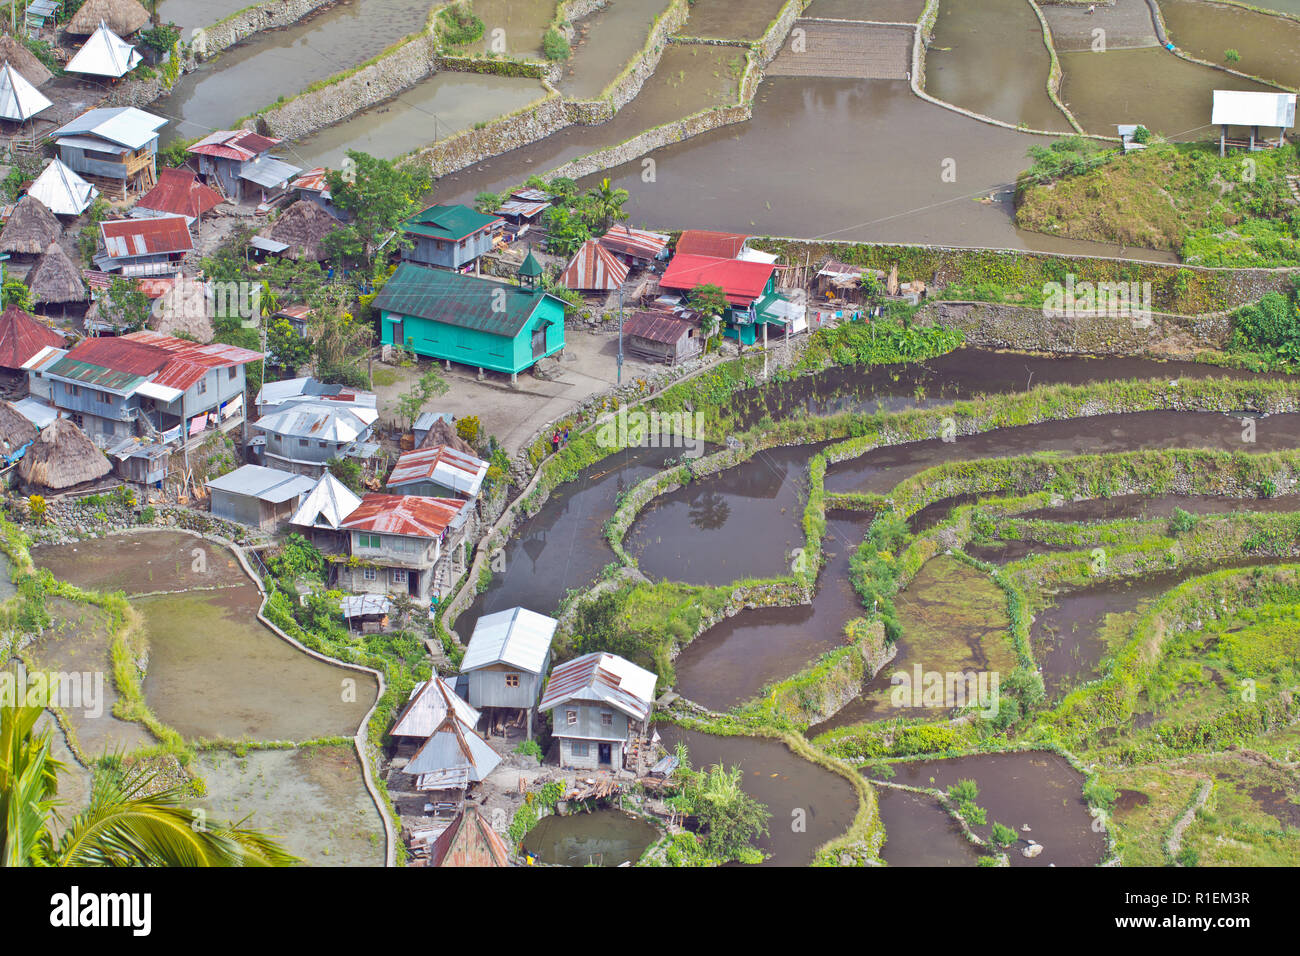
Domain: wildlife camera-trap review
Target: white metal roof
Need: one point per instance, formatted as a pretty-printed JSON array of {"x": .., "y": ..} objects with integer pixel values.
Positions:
[
  {"x": 454, "y": 747},
  {"x": 36, "y": 412},
  {"x": 320, "y": 421},
  {"x": 518, "y": 637},
  {"x": 265, "y": 484},
  {"x": 269, "y": 172},
  {"x": 105, "y": 54},
  {"x": 19, "y": 100},
  {"x": 362, "y": 605},
  {"x": 163, "y": 393},
  {"x": 1244, "y": 108},
  {"x": 328, "y": 505},
  {"x": 124, "y": 126},
  {"x": 63, "y": 191},
  {"x": 427, "y": 708}
]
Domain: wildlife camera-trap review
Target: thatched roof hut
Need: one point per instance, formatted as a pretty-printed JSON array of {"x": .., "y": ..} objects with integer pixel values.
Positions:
[
  {"x": 443, "y": 432},
  {"x": 30, "y": 229},
  {"x": 15, "y": 430},
  {"x": 123, "y": 17},
  {"x": 184, "y": 310},
  {"x": 56, "y": 278},
  {"x": 24, "y": 61},
  {"x": 303, "y": 226},
  {"x": 62, "y": 457}
]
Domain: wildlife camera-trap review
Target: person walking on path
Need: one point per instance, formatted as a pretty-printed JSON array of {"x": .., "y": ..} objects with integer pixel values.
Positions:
[{"x": 555, "y": 443}]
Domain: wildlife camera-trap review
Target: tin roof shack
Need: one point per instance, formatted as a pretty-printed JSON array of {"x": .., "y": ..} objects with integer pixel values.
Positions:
[
  {"x": 62, "y": 191},
  {"x": 321, "y": 514},
  {"x": 438, "y": 472},
  {"x": 402, "y": 544},
  {"x": 719, "y": 245},
  {"x": 276, "y": 395},
  {"x": 524, "y": 207},
  {"x": 303, "y": 436},
  {"x": 22, "y": 336},
  {"x": 19, "y": 100},
  {"x": 750, "y": 288},
  {"x": 1240, "y": 108},
  {"x": 594, "y": 268},
  {"x": 602, "y": 705},
  {"x": 449, "y": 237},
  {"x": 138, "y": 394},
  {"x": 144, "y": 247},
  {"x": 662, "y": 337},
  {"x": 178, "y": 193},
  {"x": 478, "y": 322},
  {"x": 116, "y": 148},
  {"x": 239, "y": 165},
  {"x": 638, "y": 248},
  {"x": 426, "y": 709},
  {"x": 507, "y": 656},
  {"x": 469, "y": 841},
  {"x": 258, "y": 497}
]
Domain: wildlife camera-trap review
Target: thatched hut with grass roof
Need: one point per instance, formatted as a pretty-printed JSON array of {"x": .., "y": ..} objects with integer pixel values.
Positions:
[
  {"x": 302, "y": 228},
  {"x": 185, "y": 311},
  {"x": 123, "y": 17},
  {"x": 24, "y": 61},
  {"x": 15, "y": 430},
  {"x": 56, "y": 278},
  {"x": 62, "y": 457},
  {"x": 30, "y": 229},
  {"x": 443, "y": 432}
]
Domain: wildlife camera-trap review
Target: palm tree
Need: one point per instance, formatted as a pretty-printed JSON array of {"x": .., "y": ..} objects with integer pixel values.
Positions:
[
  {"x": 124, "y": 824},
  {"x": 607, "y": 204}
]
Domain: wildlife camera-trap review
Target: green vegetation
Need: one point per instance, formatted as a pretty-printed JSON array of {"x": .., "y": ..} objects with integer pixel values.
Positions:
[
  {"x": 730, "y": 819},
  {"x": 459, "y": 25},
  {"x": 555, "y": 46}
]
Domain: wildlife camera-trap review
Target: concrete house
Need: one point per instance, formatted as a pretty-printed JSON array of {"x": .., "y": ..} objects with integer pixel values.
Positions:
[
  {"x": 600, "y": 703},
  {"x": 115, "y": 149},
  {"x": 399, "y": 544},
  {"x": 238, "y": 164},
  {"x": 437, "y": 472},
  {"x": 473, "y": 321},
  {"x": 277, "y": 395},
  {"x": 750, "y": 288},
  {"x": 507, "y": 656},
  {"x": 258, "y": 497},
  {"x": 303, "y": 436},
  {"x": 450, "y": 237}
]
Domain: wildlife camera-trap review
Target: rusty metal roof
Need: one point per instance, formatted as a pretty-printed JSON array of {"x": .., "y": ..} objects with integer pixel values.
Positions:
[
  {"x": 639, "y": 243},
  {"x": 602, "y": 679},
  {"x": 237, "y": 144},
  {"x": 657, "y": 326},
  {"x": 128, "y": 238},
  {"x": 408, "y": 515},
  {"x": 180, "y": 193},
  {"x": 702, "y": 242},
  {"x": 448, "y": 467},
  {"x": 22, "y": 336},
  {"x": 594, "y": 267}
]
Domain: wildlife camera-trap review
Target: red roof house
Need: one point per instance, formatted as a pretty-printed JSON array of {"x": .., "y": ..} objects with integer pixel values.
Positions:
[
  {"x": 178, "y": 193},
  {"x": 743, "y": 282},
  {"x": 408, "y": 515},
  {"x": 720, "y": 245},
  {"x": 22, "y": 336},
  {"x": 144, "y": 246}
]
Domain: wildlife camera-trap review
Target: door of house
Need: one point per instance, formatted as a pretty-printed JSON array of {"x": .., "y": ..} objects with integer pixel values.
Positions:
[
  {"x": 605, "y": 753},
  {"x": 397, "y": 333},
  {"x": 539, "y": 343}
]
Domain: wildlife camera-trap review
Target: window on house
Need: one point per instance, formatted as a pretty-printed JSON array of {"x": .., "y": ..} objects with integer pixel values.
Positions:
[
  {"x": 303, "y": 443},
  {"x": 234, "y": 372},
  {"x": 579, "y": 748},
  {"x": 202, "y": 386},
  {"x": 606, "y": 719},
  {"x": 368, "y": 574},
  {"x": 512, "y": 680},
  {"x": 571, "y": 717},
  {"x": 368, "y": 540},
  {"x": 399, "y": 576}
]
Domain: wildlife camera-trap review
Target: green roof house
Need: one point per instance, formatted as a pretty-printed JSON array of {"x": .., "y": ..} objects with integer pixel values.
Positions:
[
  {"x": 450, "y": 237},
  {"x": 467, "y": 319}
]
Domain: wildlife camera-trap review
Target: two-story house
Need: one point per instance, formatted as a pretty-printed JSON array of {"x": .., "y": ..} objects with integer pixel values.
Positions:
[
  {"x": 397, "y": 544},
  {"x": 750, "y": 288},
  {"x": 116, "y": 149},
  {"x": 507, "y": 656},
  {"x": 238, "y": 163},
  {"x": 142, "y": 394},
  {"x": 600, "y": 704},
  {"x": 144, "y": 247},
  {"x": 450, "y": 237},
  {"x": 303, "y": 436}
]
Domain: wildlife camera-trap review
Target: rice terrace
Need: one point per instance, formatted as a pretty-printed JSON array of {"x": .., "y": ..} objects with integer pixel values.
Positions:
[{"x": 656, "y": 434}]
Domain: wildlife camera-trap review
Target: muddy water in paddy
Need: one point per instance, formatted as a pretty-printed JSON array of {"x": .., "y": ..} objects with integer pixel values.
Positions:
[
  {"x": 1160, "y": 506},
  {"x": 523, "y": 23},
  {"x": 1036, "y": 788},
  {"x": 690, "y": 78},
  {"x": 1151, "y": 87},
  {"x": 881, "y": 11},
  {"x": 313, "y": 798},
  {"x": 919, "y": 832},
  {"x": 790, "y": 787},
  {"x": 601, "y": 838},
  {"x": 1269, "y": 46},
  {"x": 431, "y": 110},
  {"x": 605, "y": 41},
  {"x": 989, "y": 57},
  {"x": 883, "y": 147},
  {"x": 732, "y": 661},
  {"x": 726, "y": 19},
  {"x": 277, "y": 63},
  {"x": 882, "y": 469},
  {"x": 214, "y": 670},
  {"x": 563, "y": 546},
  {"x": 189, "y": 14}
]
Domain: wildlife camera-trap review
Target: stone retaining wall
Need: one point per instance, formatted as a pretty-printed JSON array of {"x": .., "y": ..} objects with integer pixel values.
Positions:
[
  {"x": 255, "y": 19},
  {"x": 535, "y": 121}
]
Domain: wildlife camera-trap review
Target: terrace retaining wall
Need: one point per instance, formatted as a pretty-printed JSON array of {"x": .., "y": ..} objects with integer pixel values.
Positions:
[{"x": 255, "y": 19}]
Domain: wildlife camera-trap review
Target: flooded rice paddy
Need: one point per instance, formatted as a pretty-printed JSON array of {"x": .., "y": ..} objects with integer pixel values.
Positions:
[
  {"x": 720, "y": 19},
  {"x": 604, "y": 44},
  {"x": 521, "y": 24},
  {"x": 919, "y": 832},
  {"x": 189, "y": 14},
  {"x": 600, "y": 838},
  {"x": 881, "y": 11},
  {"x": 1269, "y": 46}
]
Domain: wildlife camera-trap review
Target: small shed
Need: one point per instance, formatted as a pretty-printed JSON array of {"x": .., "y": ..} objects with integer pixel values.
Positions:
[
  {"x": 452, "y": 759},
  {"x": 104, "y": 54},
  {"x": 507, "y": 656},
  {"x": 662, "y": 337},
  {"x": 178, "y": 193},
  {"x": 144, "y": 247},
  {"x": 366, "y": 612},
  {"x": 1243, "y": 108},
  {"x": 302, "y": 229},
  {"x": 257, "y": 496}
]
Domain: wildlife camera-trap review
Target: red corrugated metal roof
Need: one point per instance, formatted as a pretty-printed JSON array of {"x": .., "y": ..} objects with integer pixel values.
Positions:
[
  {"x": 126, "y": 238},
  {"x": 638, "y": 243},
  {"x": 21, "y": 337},
  {"x": 702, "y": 242},
  {"x": 423, "y": 462},
  {"x": 237, "y": 144},
  {"x": 180, "y": 193},
  {"x": 743, "y": 282},
  {"x": 313, "y": 180},
  {"x": 409, "y": 515},
  {"x": 187, "y": 362},
  {"x": 589, "y": 678},
  {"x": 594, "y": 267}
]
